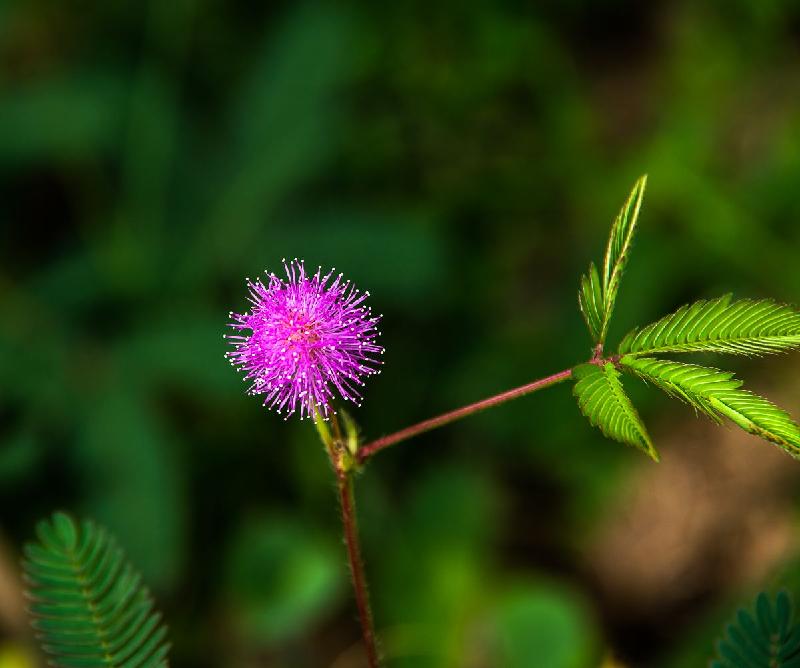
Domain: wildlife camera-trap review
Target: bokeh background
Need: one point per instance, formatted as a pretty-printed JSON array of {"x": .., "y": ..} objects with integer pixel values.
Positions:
[{"x": 463, "y": 162}]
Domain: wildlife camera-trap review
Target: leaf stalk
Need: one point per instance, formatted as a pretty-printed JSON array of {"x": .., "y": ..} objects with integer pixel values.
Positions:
[{"x": 366, "y": 451}]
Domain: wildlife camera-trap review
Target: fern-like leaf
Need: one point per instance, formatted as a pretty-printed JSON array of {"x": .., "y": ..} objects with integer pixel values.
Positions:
[
  {"x": 689, "y": 382},
  {"x": 745, "y": 327},
  {"x": 602, "y": 399},
  {"x": 88, "y": 605},
  {"x": 719, "y": 395},
  {"x": 590, "y": 299},
  {"x": 619, "y": 245},
  {"x": 767, "y": 637},
  {"x": 597, "y": 296}
]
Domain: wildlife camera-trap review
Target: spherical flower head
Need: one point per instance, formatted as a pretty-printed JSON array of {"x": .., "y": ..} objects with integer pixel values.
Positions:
[{"x": 310, "y": 337}]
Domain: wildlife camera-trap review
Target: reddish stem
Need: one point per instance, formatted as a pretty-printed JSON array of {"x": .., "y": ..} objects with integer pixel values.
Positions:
[
  {"x": 370, "y": 449},
  {"x": 347, "y": 499}
]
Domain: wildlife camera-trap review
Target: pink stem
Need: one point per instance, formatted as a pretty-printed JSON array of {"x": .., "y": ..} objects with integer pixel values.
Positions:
[
  {"x": 366, "y": 451},
  {"x": 345, "y": 484}
]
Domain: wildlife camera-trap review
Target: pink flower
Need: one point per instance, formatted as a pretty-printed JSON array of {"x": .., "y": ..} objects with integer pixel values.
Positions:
[{"x": 309, "y": 336}]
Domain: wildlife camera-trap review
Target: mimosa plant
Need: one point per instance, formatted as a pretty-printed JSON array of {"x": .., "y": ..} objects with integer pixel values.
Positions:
[
  {"x": 308, "y": 342},
  {"x": 310, "y": 339}
]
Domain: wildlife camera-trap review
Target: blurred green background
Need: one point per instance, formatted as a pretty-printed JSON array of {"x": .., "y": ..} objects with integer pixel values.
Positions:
[{"x": 463, "y": 162}]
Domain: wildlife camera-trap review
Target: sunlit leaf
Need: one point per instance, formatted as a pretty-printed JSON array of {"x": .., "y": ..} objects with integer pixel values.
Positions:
[
  {"x": 618, "y": 250},
  {"x": 719, "y": 395},
  {"x": 590, "y": 299},
  {"x": 745, "y": 327},
  {"x": 602, "y": 399},
  {"x": 597, "y": 295}
]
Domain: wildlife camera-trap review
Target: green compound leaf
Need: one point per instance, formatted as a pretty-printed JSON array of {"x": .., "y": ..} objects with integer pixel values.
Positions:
[
  {"x": 602, "y": 399},
  {"x": 766, "y": 639},
  {"x": 88, "y": 605},
  {"x": 597, "y": 297},
  {"x": 619, "y": 245},
  {"x": 717, "y": 394},
  {"x": 590, "y": 299},
  {"x": 745, "y": 327},
  {"x": 688, "y": 382}
]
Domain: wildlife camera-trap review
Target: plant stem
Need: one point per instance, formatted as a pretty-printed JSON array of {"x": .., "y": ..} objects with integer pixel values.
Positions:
[
  {"x": 344, "y": 481},
  {"x": 366, "y": 451},
  {"x": 349, "y": 522}
]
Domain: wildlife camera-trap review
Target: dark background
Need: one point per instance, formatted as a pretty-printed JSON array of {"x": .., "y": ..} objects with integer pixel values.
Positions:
[{"x": 463, "y": 162}]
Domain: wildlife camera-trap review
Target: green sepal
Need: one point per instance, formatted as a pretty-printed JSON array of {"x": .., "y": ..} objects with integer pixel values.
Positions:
[
  {"x": 323, "y": 429},
  {"x": 351, "y": 433}
]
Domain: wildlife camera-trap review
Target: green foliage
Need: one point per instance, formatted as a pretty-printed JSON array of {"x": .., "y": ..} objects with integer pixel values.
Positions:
[
  {"x": 63, "y": 119},
  {"x": 745, "y": 327},
  {"x": 280, "y": 578},
  {"x": 691, "y": 383},
  {"x": 135, "y": 485},
  {"x": 590, "y": 299},
  {"x": 618, "y": 250},
  {"x": 88, "y": 605},
  {"x": 769, "y": 637},
  {"x": 761, "y": 418},
  {"x": 718, "y": 394},
  {"x": 596, "y": 300},
  {"x": 431, "y": 585},
  {"x": 602, "y": 399},
  {"x": 279, "y": 136},
  {"x": 544, "y": 620},
  {"x": 456, "y": 155}
]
